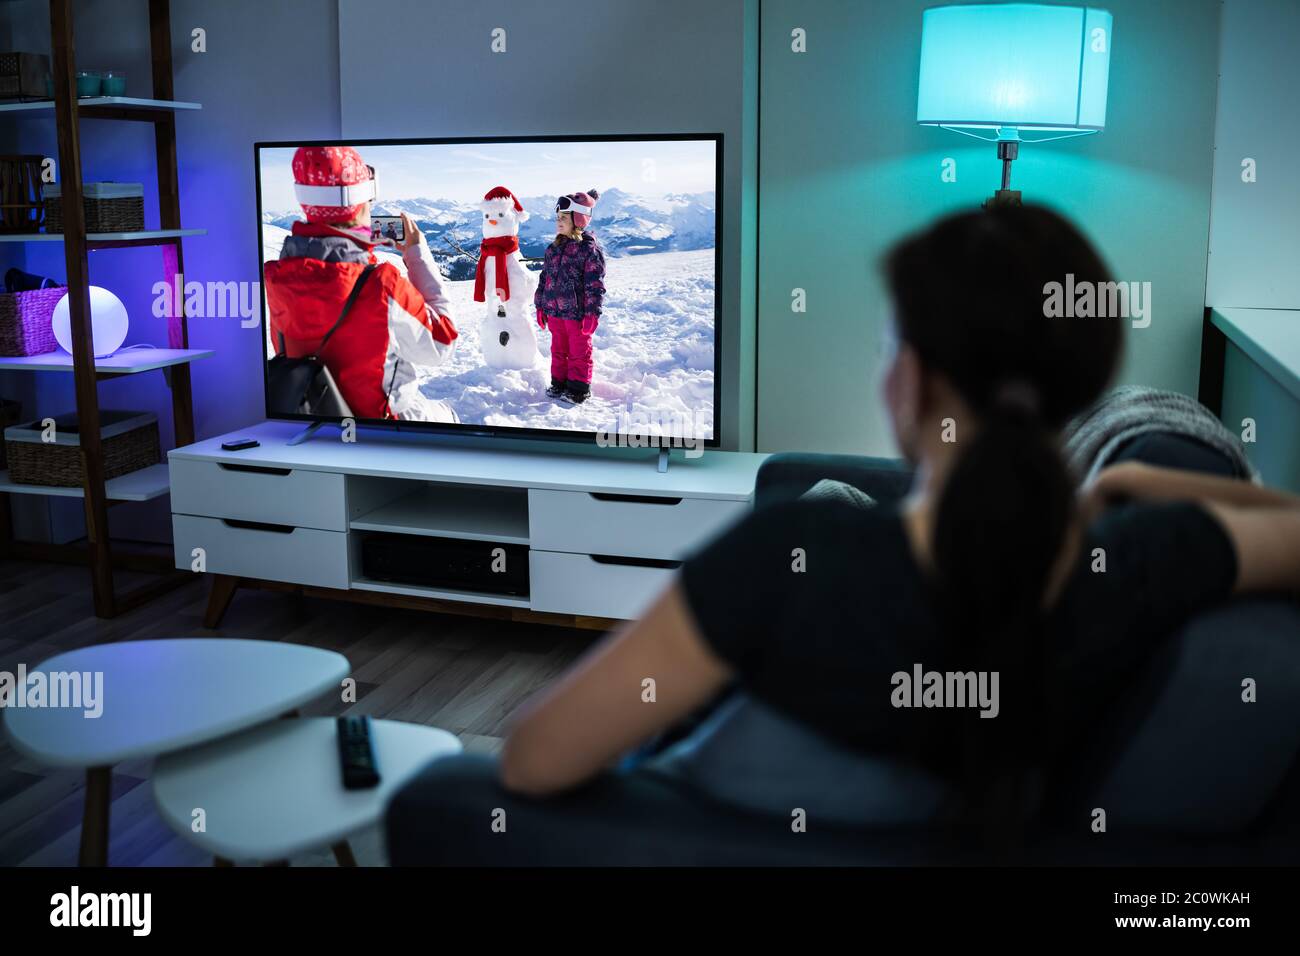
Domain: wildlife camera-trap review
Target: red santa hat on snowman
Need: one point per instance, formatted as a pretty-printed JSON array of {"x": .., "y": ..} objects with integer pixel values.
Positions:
[
  {"x": 332, "y": 183},
  {"x": 491, "y": 202}
]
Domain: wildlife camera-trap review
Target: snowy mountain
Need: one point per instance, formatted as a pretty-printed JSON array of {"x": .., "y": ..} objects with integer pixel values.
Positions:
[{"x": 626, "y": 223}]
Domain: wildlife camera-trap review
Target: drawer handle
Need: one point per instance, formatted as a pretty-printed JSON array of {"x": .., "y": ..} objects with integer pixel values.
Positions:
[
  {"x": 258, "y": 526},
  {"x": 635, "y": 499},
  {"x": 635, "y": 562},
  {"x": 256, "y": 469}
]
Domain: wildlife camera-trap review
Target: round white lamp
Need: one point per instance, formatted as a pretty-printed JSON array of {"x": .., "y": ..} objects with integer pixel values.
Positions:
[{"x": 108, "y": 322}]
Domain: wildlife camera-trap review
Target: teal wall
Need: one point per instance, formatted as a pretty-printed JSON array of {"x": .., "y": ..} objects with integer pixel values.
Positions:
[{"x": 845, "y": 171}]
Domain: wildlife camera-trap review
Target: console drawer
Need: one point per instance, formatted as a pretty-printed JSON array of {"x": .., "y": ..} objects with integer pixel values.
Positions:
[
  {"x": 267, "y": 552},
  {"x": 593, "y": 586},
  {"x": 283, "y": 496},
  {"x": 635, "y": 526}
]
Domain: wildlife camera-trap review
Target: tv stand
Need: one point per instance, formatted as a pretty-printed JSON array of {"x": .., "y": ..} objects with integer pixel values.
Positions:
[
  {"x": 601, "y": 532},
  {"x": 306, "y": 433}
]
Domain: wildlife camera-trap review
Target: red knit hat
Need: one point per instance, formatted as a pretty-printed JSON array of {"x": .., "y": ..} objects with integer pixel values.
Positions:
[{"x": 332, "y": 183}]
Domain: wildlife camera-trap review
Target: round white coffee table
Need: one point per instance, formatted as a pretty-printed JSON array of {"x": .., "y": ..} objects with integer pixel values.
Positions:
[
  {"x": 276, "y": 791},
  {"x": 159, "y": 696}
]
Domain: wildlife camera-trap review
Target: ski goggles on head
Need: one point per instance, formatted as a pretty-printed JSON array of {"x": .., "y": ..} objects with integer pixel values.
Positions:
[
  {"x": 567, "y": 204},
  {"x": 338, "y": 196}
]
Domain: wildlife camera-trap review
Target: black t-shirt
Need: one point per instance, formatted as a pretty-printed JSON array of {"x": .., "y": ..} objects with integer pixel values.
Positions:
[{"x": 822, "y": 644}]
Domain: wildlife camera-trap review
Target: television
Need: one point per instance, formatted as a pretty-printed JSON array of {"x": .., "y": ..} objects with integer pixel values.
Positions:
[{"x": 436, "y": 339}]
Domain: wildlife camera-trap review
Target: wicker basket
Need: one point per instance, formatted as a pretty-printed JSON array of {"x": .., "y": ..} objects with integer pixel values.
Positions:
[
  {"x": 129, "y": 440},
  {"x": 10, "y": 413},
  {"x": 110, "y": 207},
  {"x": 21, "y": 208},
  {"x": 25, "y": 321}
]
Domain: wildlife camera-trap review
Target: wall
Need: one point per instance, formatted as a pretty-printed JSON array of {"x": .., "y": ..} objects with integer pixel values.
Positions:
[
  {"x": 1255, "y": 227},
  {"x": 570, "y": 67},
  {"x": 846, "y": 171},
  {"x": 270, "y": 71}
]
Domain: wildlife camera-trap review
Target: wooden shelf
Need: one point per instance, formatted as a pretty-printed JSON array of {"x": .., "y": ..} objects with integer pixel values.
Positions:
[
  {"x": 454, "y": 511},
  {"x": 446, "y": 594},
  {"x": 108, "y": 240},
  {"x": 126, "y": 362},
  {"x": 104, "y": 103},
  {"x": 142, "y": 485}
]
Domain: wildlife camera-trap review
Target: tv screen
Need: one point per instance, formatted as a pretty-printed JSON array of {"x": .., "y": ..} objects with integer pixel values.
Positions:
[{"x": 543, "y": 287}]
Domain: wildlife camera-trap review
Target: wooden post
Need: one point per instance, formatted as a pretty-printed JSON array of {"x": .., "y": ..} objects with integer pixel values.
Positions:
[
  {"x": 83, "y": 353},
  {"x": 169, "y": 214},
  {"x": 94, "y": 818}
]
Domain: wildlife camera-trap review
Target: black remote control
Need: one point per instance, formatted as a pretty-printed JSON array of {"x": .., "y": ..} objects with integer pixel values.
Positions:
[{"x": 356, "y": 754}]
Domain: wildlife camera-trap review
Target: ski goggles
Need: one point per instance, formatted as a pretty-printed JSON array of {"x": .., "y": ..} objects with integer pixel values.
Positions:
[
  {"x": 338, "y": 196},
  {"x": 566, "y": 204}
]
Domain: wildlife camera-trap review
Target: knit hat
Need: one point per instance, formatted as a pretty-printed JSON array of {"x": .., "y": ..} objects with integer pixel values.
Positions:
[
  {"x": 332, "y": 183},
  {"x": 581, "y": 205}
]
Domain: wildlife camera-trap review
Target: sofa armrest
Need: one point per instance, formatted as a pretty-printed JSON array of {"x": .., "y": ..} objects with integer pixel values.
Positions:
[{"x": 786, "y": 475}]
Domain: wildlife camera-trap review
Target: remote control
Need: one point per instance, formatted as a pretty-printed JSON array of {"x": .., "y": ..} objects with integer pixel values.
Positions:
[
  {"x": 239, "y": 444},
  {"x": 356, "y": 754}
]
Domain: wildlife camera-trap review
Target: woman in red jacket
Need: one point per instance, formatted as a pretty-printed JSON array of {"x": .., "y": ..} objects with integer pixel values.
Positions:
[{"x": 399, "y": 325}]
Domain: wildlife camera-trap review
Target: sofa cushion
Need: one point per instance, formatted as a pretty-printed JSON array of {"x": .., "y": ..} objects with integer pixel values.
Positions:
[{"x": 747, "y": 755}]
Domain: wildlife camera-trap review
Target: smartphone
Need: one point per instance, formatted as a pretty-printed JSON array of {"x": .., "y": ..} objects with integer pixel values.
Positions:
[{"x": 387, "y": 227}]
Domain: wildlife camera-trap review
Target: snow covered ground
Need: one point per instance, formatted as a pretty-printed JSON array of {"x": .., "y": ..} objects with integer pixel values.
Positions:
[{"x": 654, "y": 353}]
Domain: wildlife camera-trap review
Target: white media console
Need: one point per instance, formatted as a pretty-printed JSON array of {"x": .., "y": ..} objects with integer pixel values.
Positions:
[{"x": 603, "y": 528}]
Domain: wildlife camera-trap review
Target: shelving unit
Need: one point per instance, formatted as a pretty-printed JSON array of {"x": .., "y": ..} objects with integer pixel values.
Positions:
[
  {"x": 107, "y": 240},
  {"x": 148, "y": 483}
]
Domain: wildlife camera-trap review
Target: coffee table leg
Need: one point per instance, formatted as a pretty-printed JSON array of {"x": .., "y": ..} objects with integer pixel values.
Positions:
[
  {"x": 343, "y": 854},
  {"x": 94, "y": 820},
  {"x": 219, "y": 598}
]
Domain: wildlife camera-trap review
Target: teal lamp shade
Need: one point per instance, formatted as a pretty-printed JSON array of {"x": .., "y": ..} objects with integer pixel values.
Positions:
[{"x": 1014, "y": 66}]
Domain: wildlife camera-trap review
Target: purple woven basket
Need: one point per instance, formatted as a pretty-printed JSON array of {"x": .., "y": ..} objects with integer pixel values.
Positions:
[{"x": 25, "y": 326}]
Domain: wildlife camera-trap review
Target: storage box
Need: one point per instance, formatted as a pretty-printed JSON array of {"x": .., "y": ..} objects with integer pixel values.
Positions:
[
  {"x": 110, "y": 207},
  {"x": 129, "y": 440},
  {"x": 10, "y": 413},
  {"x": 22, "y": 75},
  {"x": 25, "y": 321},
  {"x": 20, "y": 193}
]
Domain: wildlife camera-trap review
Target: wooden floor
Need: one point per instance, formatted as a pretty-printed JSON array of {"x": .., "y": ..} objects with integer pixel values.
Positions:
[{"x": 463, "y": 674}]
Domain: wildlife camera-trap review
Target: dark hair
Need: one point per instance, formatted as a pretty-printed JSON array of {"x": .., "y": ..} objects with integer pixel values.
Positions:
[{"x": 970, "y": 295}]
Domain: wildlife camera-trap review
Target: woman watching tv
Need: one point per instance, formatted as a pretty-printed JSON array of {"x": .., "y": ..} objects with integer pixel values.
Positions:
[{"x": 990, "y": 565}]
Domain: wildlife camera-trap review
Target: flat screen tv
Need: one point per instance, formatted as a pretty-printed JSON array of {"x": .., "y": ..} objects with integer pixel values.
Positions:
[{"x": 444, "y": 333}]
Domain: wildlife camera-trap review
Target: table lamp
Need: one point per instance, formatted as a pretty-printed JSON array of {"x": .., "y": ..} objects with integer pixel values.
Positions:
[{"x": 1010, "y": 68}]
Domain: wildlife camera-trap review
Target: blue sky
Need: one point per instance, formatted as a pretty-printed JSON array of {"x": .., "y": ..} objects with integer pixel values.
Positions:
[{"x": 465, "y": 171}]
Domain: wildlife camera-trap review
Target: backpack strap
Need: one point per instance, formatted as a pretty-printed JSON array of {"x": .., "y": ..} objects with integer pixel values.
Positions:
[{"x": 347, "y": 306}]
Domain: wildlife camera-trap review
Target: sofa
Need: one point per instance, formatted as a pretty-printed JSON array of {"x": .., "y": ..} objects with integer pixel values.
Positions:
[{"x": 1187, "y": 772}]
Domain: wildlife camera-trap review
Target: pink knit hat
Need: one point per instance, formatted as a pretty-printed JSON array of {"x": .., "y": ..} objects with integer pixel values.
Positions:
[{"x": 581, "y": 205}]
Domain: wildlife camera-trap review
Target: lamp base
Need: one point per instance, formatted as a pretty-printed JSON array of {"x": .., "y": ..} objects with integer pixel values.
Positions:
[{"x": 1003, "y": 197}]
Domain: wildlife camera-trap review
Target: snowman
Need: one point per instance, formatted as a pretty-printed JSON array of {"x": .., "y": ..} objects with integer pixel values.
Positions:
[{"x": 506, "y": 335}]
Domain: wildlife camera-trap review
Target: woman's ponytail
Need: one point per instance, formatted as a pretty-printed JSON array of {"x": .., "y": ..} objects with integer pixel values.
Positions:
[{"x": 1001, "y": 523}]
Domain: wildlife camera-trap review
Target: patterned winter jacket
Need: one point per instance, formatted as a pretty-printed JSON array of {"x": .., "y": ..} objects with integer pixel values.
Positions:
[{"x": 572, "y": 283}]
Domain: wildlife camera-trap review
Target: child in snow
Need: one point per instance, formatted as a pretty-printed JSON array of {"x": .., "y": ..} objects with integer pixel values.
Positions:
[{"x": 570, "y": 294}]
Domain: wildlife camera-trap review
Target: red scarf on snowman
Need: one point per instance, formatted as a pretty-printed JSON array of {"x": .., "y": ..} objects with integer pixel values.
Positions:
[{"x": 499, "y": 248}]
